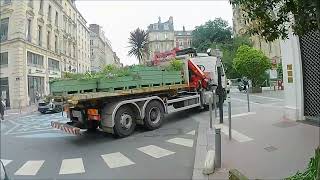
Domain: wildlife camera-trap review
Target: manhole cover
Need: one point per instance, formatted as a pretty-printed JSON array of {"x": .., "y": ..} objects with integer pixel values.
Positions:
[
  {"x": 285, "y": 124},
  {"x": 270, "y": 148}
]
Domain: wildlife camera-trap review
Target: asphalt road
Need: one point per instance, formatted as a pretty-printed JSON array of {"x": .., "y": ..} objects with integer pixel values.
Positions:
[{"x": 31, "y": 149}]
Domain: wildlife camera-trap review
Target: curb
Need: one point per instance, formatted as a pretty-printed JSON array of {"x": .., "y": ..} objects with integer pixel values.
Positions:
[{"x": 204, "y": 150}]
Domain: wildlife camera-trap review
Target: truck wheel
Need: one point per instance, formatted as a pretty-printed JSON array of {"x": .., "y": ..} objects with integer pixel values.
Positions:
[
  {"x": 124, "y": 122},
  {"x": 154, "y": 115}
]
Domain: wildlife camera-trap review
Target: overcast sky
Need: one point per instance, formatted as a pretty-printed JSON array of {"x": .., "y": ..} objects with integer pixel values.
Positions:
[{"x": 118, "y": 18}]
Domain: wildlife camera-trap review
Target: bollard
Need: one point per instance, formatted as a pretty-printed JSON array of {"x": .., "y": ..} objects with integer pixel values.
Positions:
[
  {"x": 210, "y": 111},
  {"x": 248, "y": 99},
  {"x": 215, "y": 105},
  {"x": 229, "y": 117},
  {"x": 217, "y": 159}
]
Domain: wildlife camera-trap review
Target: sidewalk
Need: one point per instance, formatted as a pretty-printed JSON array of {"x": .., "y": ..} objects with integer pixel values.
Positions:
[
  {"x": 278, "y": 149},
  {"x": 12, "y": 113}
]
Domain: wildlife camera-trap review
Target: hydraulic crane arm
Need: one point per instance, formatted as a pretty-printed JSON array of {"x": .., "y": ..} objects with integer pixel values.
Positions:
[{"x": 198, "y": 78}]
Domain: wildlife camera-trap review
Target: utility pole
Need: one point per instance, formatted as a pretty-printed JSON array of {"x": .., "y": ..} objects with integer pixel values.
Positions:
[{"x": 219, "y": 88}]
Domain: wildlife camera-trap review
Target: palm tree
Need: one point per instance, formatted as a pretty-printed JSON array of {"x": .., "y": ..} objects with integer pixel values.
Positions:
[{"x": 138, "y": 41}]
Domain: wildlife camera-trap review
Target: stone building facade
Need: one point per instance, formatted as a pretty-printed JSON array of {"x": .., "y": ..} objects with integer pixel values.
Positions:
[
  {"x": 183, "y": 38},
  {"x": 270, "y": 49},
  {"x": 38, "y": 42},
  {"x": 100, "y": 48},
  {"x": 161, "y": 37}
]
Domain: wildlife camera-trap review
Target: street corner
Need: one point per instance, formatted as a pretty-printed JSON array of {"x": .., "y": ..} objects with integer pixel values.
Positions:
[{"x": 35, "y": 125}]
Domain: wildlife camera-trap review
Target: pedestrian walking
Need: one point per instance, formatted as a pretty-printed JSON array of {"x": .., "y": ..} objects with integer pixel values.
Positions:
[{"x": 2, "y": 108}]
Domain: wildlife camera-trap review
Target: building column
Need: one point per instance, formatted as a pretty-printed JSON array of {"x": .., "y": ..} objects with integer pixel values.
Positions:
[
  {"x": 292, "y": 78},
  {"x": 18, "y": 79}
]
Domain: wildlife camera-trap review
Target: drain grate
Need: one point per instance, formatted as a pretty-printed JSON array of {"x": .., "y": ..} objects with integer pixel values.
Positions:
[{"x": 270, "y": 148}]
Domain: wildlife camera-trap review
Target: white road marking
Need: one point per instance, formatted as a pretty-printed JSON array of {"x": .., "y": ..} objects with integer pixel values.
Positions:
[
  {"x": 265, "y": 97},
  {"x": 72, "y": 166},
  {"x": 242, "y": 114},
  {"x": 181, "y": 141},
  {"x": 155, "y": 151},
  {"x": 235, "y": 134},
  {"x": 115, "y": 160},
  {"x": 30, "y": 168},
  {"x": 5, "y": 161},
  {"x": 192, "y": 132}
]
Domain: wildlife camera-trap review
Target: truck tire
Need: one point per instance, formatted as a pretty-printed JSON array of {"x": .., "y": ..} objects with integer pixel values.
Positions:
[
  {"x": 154, "y": 115},
  {"x": 124, "y": 122}
]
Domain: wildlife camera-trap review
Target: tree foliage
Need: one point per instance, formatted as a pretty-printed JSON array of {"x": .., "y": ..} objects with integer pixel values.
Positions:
[
  {"x": 229, "y": 50},
  {"x": 138, "y": 41},
  {"x": 216, "y": 31},
  {"x": 251, "y": 63},
  {"x": 272, "y": 19}
]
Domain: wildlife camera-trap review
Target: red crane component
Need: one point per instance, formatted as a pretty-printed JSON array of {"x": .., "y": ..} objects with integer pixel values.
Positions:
[
  {"x": 198, "y": 78},
  {"x": 164, "y": 56}
]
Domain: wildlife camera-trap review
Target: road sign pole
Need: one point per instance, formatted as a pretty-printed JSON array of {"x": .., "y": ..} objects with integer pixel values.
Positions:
[
  {"x": 229, "y": 117},
  {"x": 248, "y": 99},
  {"x": 210, "y": 111}
]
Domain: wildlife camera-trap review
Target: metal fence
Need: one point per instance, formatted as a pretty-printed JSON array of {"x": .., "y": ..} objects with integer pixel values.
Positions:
[{"x": 310, "y": 54}]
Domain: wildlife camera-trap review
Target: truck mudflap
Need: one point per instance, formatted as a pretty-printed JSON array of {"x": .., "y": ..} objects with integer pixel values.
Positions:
[{"x": 66, "y": 128}]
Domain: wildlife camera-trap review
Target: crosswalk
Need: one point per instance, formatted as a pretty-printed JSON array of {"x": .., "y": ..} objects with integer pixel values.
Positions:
[{"x": 112, "y": 160}]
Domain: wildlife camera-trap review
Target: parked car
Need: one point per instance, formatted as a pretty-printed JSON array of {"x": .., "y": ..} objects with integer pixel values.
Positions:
[
  {"x": 52, "y": 105},
  {"x": 3, "y": 173}
]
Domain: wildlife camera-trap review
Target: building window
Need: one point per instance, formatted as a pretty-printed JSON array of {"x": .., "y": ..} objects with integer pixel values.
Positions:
[
  {"x": 53, "y": 64},
  {"x": 166, "y": 26},
  {"x": 41, "y": 7},
  {"x": 39, "y": 35},
  {"x": 6, "y": 2},
  {"x": 49, "y": 13},
  {"x": 34, "y": 60},
  {"x": 91, "y": 42},
  {"x": 74, "y": 50},
  {"x": 56, "y": 43},
  {"x": 4, "y": 59},
  {"x": 157, "y": 37},
  {"x": 30, "y": 3},
  {"x": 65, "y": 47},
  {"x": 28, "y": 33},
  {"x": 48, "y": 40},
  {"x": 91, "y": 52},
  {"x": 4, "y": 25},
  {"x": 65, "y": 23},
  {"x": 56, "y": 18},
  {"x": 166, "y": 36}
]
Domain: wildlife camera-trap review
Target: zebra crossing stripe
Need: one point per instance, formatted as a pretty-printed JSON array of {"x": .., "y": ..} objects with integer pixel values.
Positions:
[
  {"x": 181, "y": 141},
  {"x": 5, "y": 161},
  {"x": 235, "y": 134},
  {"x": 115, "y": 160},
  {"x": 30, "y": 168},
  {"x": 72, "y": 166},
  {"x": 155, "y": 151},
  {"x": 192, "y": 132}
]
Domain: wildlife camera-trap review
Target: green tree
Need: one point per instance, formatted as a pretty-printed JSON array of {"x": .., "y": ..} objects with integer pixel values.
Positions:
[
  {"x": 272, "y": 19},
  {"x": 216, "y": 31},
  {"x": 138, "y": 41},
  {"x": 229, "y": 50},
  {"x": 251, "y": 63}
]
